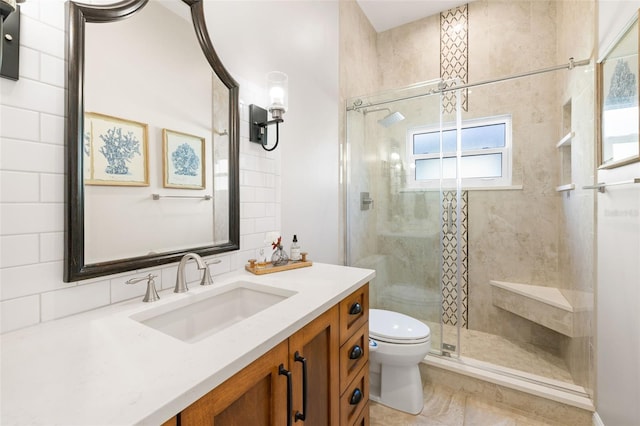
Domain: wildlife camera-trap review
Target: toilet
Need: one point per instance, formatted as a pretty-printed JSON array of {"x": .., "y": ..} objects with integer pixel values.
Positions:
[{"x": 397, "y": 344}]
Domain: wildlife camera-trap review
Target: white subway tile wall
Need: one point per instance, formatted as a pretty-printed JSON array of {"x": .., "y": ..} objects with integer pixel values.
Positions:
[{"x": 32, "y": 188}]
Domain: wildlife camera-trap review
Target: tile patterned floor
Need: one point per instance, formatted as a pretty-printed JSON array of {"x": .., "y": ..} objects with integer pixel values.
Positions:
[
  {"x": 447, "y": 407},
  {"x": 503, "y": 352}
]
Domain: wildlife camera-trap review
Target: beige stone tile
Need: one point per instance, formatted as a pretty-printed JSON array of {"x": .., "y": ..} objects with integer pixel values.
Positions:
[
  {"x": 385, "y": 416},
  {"x": 445, "y": 406}
]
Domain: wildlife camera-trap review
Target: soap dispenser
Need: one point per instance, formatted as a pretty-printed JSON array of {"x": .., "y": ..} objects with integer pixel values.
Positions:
[{"x": 295, "y": 249}]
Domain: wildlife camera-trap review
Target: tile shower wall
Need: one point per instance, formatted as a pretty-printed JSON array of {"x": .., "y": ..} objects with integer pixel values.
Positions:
[
  {"x": 508, "y": 237},
  {"x": 454, "y": 53},
  {"x": 32, "y": 156},
  {"x": 504, "y": 38}
]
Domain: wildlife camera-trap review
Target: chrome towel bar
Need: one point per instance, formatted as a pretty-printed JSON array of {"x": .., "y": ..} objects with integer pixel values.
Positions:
[
  {"x": 600, "y": 186},
  {"x": 202, "y": 197}
]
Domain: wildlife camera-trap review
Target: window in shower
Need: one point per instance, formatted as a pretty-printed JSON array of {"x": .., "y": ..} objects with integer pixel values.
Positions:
[{"x": 485, "y": 154}]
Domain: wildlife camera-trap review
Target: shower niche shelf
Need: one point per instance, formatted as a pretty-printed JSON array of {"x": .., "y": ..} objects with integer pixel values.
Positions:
[
  {"x": 543, "y": 305},
  {"x": 564, "y": 146},
  {"x": 566, "y": 140},
  {"x": 564, "y": 151}
]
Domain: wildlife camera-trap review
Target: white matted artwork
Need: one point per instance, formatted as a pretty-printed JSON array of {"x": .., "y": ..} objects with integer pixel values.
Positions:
[
  {"x": 183, "y": 160},
  {"x": 117, "y": 151},
  {"x": 619, "y": 141}
]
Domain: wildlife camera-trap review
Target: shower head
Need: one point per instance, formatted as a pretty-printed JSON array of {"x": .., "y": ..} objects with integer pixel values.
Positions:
[{"x": 390, "y": 119}]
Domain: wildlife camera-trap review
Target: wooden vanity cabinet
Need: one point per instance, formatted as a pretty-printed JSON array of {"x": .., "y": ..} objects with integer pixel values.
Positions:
[
  {"x": 354, "y": 358},
  {"x": 335, "y": 371},
  {"x": 317, "y": 344},
  {"x": 173, "y": 421},
  {"x": 257, "y": 395}
]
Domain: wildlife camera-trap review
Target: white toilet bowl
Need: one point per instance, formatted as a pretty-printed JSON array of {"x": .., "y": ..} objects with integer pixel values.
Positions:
[{"x": 397, "y": 344}]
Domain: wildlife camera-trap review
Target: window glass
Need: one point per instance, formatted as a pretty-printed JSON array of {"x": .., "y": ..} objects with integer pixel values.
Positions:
[
  {"x": 473, "y": 138},
  {"x": 473, "y": 166},
  {"x": 485, "y": 158},
  {"x": 483, "y": 137},
  {"x": 429, "y": 143}
]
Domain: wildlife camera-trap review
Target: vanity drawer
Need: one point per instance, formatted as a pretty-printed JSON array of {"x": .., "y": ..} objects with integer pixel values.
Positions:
[
  {"x": 363, "y": 418},
  {"x": 354, "y": 312},
  {"x": 355, "y": 398},
  {"x": 354, "y": 353}
]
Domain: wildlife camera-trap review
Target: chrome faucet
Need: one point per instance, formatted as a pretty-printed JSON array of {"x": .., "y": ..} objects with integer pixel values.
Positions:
[{"x": 181, "y": 281}]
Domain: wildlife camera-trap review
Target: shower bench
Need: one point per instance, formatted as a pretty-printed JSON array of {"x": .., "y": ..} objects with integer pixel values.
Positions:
[{"x": 543, "y": 305}]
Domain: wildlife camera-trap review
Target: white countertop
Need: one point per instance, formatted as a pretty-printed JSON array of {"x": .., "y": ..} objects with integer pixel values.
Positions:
[{"x": 103, "y": 368}]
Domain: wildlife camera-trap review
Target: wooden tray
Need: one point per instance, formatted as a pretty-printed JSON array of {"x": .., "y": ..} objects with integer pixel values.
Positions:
[{"x": 269, "y": 268}]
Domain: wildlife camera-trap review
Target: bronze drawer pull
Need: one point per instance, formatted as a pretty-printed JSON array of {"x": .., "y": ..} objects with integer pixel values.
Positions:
[
  {"x": 355, "y": 309},
  {"x": 356, "y": 352},
  {"x": 356, "y": 397}
]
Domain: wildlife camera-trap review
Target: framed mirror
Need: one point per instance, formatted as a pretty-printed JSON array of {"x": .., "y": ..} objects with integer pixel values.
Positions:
[
  {"x": 619, "y": 115},
  {"x": 152, "y": 134}
]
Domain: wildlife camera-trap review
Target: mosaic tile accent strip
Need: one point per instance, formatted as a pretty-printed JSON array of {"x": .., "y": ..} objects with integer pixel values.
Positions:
[
  {"x": 450, "y": 259},
  {"x": 454, "y": 48}
]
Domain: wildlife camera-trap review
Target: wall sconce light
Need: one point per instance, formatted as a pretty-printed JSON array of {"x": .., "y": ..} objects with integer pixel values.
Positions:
[
  {"x": 277, "y": 85},
  {"x": 10, "y": 42}
]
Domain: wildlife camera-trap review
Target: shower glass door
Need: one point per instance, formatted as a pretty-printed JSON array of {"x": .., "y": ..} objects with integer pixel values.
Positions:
[
  {"x": 454, "y": 193},
  {"x": 398, "y": 208}
]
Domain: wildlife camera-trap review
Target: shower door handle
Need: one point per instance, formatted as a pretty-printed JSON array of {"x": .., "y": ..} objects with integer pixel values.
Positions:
[
  {"x": 449, "y": 217},
  {"x": 365, "y": 201}
]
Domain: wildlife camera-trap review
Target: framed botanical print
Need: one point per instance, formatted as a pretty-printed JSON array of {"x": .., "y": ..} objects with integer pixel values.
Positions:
[
  {"x": 115, "y": 151},
  {"x": 619, "y": 115},
  {"x": 183, "y": 160}
]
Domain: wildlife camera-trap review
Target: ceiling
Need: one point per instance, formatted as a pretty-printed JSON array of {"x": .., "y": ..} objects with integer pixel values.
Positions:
[{"x": 387, "y": 14}]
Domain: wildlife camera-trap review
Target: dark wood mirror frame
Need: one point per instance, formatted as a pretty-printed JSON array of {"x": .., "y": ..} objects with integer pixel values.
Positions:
[{"x": 75, "y": 268}]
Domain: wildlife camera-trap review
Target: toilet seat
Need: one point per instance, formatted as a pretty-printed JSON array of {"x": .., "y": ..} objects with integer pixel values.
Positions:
[{"x": 394, "y": 327}]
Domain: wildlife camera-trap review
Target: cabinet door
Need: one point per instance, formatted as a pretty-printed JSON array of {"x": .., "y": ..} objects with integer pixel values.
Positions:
[
  {"x": 257, "y": 395},
  {"x": 316, "y": 343}
]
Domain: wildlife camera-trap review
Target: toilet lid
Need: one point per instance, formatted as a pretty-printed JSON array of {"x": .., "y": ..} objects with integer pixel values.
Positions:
[{"x": 396, "y": 327}]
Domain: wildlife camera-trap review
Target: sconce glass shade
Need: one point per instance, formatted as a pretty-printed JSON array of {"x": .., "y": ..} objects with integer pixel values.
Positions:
[{"x": 278, "y": 89}]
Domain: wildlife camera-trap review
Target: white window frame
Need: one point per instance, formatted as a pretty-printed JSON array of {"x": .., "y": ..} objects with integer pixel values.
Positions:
[{"x": 467, "y": 183}]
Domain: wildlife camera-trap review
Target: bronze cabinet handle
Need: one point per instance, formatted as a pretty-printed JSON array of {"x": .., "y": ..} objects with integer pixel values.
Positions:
[
  {"x": 356, "y": 397},
  {"x": 284, "y": 372},
  {"x": 355, "y": 309},
  {"x": 302, "y": 415},
  {"x": 356, "y": 352}
]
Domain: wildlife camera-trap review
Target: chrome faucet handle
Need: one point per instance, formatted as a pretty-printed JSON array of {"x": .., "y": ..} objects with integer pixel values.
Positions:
[
  {"x": 151, "y": 294},
  {"x": 206, "y": 276}
]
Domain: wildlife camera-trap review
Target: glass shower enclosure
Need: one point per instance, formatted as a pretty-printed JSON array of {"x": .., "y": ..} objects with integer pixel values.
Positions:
[
  {"x": 452, "y": 197},
  {"x": 403, "y": 205}
]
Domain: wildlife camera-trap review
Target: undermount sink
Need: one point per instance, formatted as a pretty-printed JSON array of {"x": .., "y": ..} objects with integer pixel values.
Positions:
[{"x": 200, "y": 315}]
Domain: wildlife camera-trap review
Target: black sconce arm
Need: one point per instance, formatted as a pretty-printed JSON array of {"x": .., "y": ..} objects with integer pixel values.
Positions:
[
  {"x": 270, "y": 122},
  {"x": 258, "y": 126}
]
